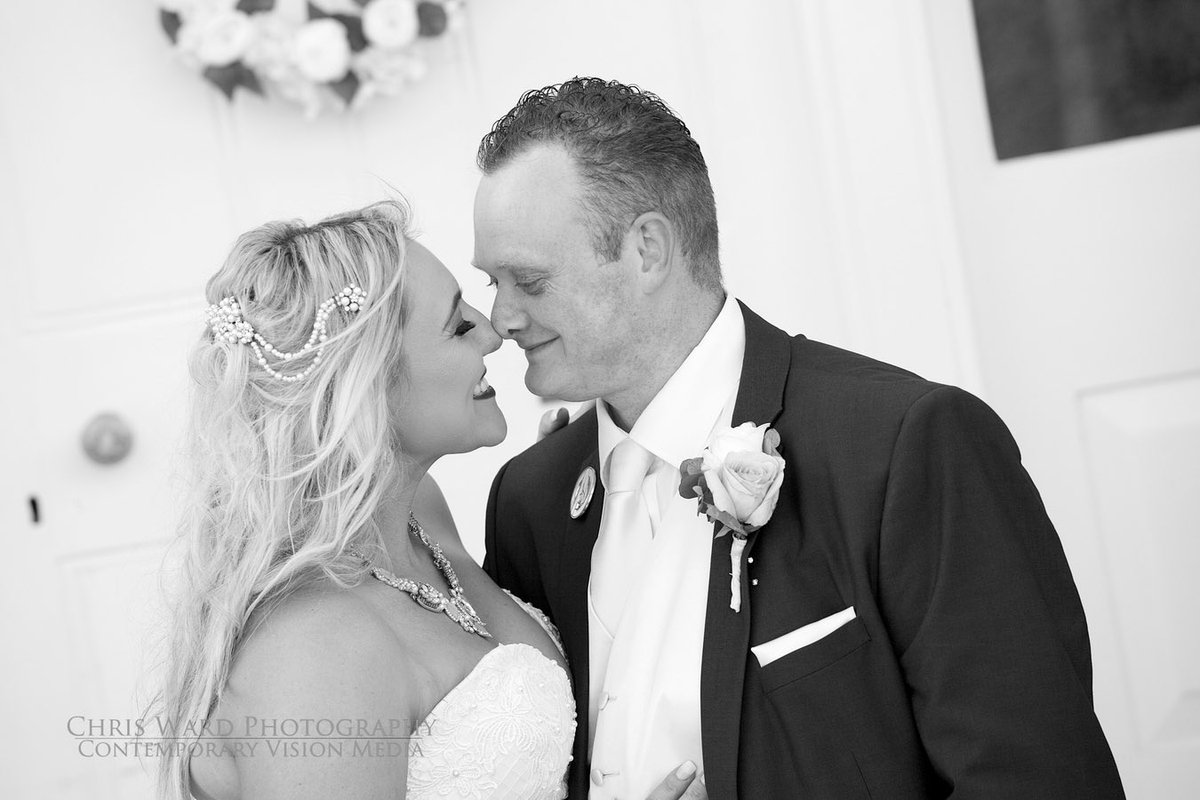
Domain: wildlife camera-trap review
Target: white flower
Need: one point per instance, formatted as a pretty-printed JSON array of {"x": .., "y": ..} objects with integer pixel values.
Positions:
[
  {"x": 386, "y": 71},
  {"x": 746, "y": 436},
  {"x": 177, "y": 6},
  {"x": 189, "y": 7},
  {"x": 270, "y": 54},
  {"x": 303, "y": 92},
  {"x": 736, "y": 483},
  {"x": 218, "y": 38},
  {"x": 743, "y": 479},
  {"x": 390, "y": 23},
  {"x": 321, "y": 50}
]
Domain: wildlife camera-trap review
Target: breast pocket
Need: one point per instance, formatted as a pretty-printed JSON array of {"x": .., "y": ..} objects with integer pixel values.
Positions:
[{"x": 809, "y": 655}]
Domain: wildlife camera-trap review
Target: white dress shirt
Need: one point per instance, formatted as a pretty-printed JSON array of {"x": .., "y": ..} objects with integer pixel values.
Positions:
[{"x": 644, "y": 677}]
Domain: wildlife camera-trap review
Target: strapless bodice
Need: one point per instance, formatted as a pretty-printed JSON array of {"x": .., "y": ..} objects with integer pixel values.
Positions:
[{"x": 504, "y": 732}]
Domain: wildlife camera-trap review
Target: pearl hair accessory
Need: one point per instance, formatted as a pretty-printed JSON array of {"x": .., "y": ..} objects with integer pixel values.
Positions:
[{"x": 227, "y": 324}]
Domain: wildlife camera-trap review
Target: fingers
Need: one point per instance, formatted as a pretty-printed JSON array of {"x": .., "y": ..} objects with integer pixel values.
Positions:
[
  {"x": 696, "y": 791},
  {"x": 680, "y": 784},
  {"x": 551, "y": 421}
]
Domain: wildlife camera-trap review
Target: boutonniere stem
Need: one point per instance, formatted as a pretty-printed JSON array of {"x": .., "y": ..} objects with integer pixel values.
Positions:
[{"x": 736, "y": 548}]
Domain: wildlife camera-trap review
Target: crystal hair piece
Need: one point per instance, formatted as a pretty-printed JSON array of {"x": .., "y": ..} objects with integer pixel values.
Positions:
[{"x": 227, "y": 324}]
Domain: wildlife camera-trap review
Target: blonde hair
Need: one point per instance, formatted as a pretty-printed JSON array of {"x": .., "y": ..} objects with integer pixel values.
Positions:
[{"x": 285, "y": 476}]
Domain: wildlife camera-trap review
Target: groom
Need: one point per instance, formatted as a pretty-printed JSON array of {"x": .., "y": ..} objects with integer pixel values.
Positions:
[{"x": 904, "y": 624}]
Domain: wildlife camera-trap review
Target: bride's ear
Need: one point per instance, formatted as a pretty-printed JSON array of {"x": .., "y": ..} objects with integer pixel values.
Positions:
[{"x": 655, "y": 244}]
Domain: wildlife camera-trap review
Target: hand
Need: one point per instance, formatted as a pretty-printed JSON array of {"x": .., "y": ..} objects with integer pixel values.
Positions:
[
  {"x": 681, "y": 783},
  {"x": 551, "y": 421}
]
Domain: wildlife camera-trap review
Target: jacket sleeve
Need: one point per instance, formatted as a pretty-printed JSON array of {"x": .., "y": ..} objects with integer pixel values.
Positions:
[
  {"x": 509, "y": 557},
  {"x": 490, "y": 556},
  {"x": 984, "y": 614}
]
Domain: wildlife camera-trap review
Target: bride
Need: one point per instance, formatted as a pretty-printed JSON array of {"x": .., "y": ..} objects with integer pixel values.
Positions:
[{"x": 325, "y": 593}]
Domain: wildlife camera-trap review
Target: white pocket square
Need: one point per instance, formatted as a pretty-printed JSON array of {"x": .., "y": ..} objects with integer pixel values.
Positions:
[{"x": 801, "y": 637}]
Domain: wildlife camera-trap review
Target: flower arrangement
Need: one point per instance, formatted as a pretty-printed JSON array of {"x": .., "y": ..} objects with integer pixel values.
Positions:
[
  {"x": 735, "y": 483},
  {"x": 333, "y": 55}
]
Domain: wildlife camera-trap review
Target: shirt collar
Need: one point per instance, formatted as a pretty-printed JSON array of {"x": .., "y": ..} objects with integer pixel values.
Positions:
[{"x": 681, "y": 417}]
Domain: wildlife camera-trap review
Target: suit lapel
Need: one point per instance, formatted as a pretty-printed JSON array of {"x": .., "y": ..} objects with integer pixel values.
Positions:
[
  {"x": 764, "y": 371},
  {"x": 726, "y": 633},
  {"x": 576, "y": 539}
]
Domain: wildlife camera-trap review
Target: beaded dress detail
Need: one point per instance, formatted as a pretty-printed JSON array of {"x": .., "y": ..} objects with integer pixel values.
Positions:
[{"x": 504, "y": 733}]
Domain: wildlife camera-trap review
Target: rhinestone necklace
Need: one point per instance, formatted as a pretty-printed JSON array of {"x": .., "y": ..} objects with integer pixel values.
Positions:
[{"x": 427, "y": 596}]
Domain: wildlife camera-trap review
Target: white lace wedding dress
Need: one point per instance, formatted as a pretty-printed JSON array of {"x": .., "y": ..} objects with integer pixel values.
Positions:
[{"x": 504, "y": 733}]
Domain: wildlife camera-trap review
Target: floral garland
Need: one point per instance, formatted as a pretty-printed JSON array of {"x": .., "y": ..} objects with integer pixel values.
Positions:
[{"x": 335, "y": 55}]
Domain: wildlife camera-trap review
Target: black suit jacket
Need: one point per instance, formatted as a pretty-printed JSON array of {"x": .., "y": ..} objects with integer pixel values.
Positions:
[{"x": 966, "y": 672}]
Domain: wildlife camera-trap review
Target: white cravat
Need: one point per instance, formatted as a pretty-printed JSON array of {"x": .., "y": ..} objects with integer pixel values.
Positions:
[{"x": 625, "y": 531}]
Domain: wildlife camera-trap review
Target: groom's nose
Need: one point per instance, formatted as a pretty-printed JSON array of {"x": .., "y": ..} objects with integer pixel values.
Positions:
[{"x": 507, "y": 318}]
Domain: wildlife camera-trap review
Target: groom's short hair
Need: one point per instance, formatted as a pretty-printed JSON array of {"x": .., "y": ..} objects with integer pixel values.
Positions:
[{"x": 634, "y": 155}]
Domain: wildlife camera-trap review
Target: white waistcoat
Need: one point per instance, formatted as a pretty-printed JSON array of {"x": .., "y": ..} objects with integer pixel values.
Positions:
[{"x": 644, "y": 677}]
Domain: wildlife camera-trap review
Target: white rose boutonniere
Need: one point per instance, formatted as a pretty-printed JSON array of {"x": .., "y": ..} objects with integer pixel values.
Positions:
[{"x": 736, "y": 483}]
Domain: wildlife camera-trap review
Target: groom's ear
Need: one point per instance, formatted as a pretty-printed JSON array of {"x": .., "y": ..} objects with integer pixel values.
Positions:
[{"x": 654, "y": 242}]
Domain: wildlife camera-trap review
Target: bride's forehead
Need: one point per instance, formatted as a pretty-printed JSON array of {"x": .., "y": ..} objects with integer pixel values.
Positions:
[
  {"x": 425, "y": 275},
  {"x": 421, "y": 263}
]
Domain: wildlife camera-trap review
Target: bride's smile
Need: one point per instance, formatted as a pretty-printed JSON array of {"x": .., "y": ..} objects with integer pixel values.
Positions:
[{"x": 444, "y": 403}]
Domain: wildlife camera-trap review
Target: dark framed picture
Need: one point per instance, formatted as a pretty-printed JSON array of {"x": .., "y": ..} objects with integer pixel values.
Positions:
[{"x": 1066, "y": 73}]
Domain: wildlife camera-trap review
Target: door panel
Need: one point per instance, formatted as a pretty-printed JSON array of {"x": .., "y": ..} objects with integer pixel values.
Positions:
[
  {"x": 1083, "y": 282},
  {"x": 1142, "y": 442}
]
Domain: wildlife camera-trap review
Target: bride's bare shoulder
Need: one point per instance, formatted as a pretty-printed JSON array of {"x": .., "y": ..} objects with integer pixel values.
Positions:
[
  {"x": 320, "y": 651},
  {"x": 322, "y": 656}
]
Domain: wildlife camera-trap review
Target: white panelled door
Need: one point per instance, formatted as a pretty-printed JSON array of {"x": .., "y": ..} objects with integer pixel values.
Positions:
[
  {"x": 124, "y": 180},
  {"x": 1084, "y": 277},
  {"x": 101, "y": 203}
]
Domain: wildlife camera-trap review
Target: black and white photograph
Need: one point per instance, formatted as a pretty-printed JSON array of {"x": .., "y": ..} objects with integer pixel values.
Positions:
[{"x": 600, "y": 399}]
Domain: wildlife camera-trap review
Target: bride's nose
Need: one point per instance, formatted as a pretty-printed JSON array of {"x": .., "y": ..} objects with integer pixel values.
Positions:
[
  {"x": 487, "y": 336},
  {"x": 490, "y": 339}
]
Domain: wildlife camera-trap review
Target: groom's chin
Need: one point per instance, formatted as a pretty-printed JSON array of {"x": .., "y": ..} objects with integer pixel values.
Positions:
[
  {"x": 552, "y": 387},
  {"x": 538, "y": 383}
]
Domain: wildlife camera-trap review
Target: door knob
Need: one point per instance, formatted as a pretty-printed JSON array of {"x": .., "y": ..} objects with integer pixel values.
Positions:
[{"x": 107, "y": 439}]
